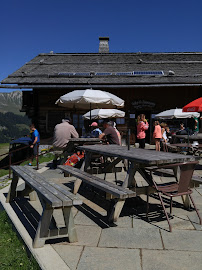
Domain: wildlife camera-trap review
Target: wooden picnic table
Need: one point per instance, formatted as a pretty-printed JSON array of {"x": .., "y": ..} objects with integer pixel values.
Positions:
[
  {"x": 187, "y": 147},
  {"x": 72, "y": 145},
  {"x": 74, "y": 142},
  {"x": 139, "y": 159},
  {"x": 197, "y": 137}
]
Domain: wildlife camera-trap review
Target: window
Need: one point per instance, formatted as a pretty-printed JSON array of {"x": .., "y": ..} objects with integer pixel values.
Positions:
[
  {"x": 78, "y": 121},
  {"x": 120, "y": 121}
]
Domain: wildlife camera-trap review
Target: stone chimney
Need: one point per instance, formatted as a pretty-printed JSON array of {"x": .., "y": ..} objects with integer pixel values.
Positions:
[{"x": 104, "y": 45}]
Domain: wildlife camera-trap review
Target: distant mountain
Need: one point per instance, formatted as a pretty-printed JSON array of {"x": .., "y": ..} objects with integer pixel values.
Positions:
[
  {"x": 13, "y": 126},
  {"x": 11, "y": 102},
  {"x": 13, "y": 123}
]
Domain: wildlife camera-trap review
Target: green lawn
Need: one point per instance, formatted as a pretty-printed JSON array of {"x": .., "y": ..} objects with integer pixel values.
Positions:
[
  {"x": 45, "y": 158},
  {"x": 13, "y": 255}
]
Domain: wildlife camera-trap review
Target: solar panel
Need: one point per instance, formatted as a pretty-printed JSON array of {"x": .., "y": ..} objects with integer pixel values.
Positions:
[
  {"x": 66, "y": 73},
  {"x": 82, "y": 74},
  {"x": 148, "y": 73},
  {"x": 123, "y": 73},
  {"x": 103, "y": 74}
]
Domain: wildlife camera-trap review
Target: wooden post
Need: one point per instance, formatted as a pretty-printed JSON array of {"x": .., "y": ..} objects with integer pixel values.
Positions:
[
  {"x": 69, "y": 222},
  {"x": 37, "y": 162},
  {"x": 9, "y": 165},
  {"x": 12, "y": 191}
]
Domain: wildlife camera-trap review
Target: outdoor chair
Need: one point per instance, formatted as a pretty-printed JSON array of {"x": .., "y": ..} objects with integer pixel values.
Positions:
[{"x": 175, "y": 189}]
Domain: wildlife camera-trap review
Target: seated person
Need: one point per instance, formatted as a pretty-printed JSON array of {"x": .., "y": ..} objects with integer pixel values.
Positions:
[
  {"x": 109, "y": 133},
  {"x": 118, "y": 133},
  {"x": 96, "y": 131},
  {"x": 182, "y": 130}
]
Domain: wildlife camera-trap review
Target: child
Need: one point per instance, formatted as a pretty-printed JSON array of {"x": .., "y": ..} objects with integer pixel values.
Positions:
[
  {"x": 157, "y": 135},
  {"x": 142, "y": 125}
]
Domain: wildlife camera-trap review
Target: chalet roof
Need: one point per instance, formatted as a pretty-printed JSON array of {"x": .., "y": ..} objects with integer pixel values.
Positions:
[{"x": 63, "y": 69}]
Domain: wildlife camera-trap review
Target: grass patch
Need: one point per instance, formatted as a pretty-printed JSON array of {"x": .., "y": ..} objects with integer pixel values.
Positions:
[
  {"x": 4, "y": 145},
  {"x": 3, "y": 172},
  {"x": 13, "y": 255},
  {"x": 44, "y": 158}
]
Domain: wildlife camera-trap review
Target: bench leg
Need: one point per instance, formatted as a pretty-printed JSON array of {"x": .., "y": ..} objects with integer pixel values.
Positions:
[
  {"x": 129, "y": 179},
  {"x": 12, "y": 190},
  {"x": 43, "y": 227},
  {"x": 116, "y": 210},
  {"x": 69, "y": 222},
  {"x": 28, "y": 191},
  {"x": 77, "y": 185}
]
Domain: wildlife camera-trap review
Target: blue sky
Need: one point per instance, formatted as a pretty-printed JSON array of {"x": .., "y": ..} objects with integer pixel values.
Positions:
[{"x": 32, "y": 27}]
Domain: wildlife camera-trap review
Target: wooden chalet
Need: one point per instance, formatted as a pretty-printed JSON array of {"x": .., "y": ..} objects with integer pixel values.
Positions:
[{"x": 148, "y": 82}]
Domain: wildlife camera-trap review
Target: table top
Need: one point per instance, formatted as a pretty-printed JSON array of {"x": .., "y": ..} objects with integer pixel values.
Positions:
[
  {"x": 84, "y": 140},
  {"x": 141, "y": 156},
  {"x": 191, "y": 137},
  {"x": 188, "y": 145}
]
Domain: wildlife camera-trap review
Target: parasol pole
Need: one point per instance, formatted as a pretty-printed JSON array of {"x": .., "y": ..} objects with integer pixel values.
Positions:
[
  {"x": 90, "y": 111},
  {"x": 129, "y": 139}
]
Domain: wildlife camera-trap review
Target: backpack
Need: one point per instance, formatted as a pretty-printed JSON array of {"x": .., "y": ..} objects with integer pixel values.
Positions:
[{"x": 75, "y": 160}]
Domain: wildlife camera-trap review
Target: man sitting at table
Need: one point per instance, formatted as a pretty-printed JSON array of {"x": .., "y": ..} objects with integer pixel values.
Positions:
[
  {"x": 109, "y": 134},
  {"x": 96, "y": 131},
  {"x": 62, "y": 133}
]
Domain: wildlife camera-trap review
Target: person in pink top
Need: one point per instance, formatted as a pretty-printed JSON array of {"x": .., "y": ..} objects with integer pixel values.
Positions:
[
  {"x": 142, "y": 125},
  {"x": 157, "y": 135}
]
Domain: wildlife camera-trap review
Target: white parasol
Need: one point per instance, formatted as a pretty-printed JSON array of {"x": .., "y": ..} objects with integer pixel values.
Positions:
[
  {"x": 90, "y": 98},
  {"x": 176, "y": 113},
  {"x": 103, "y": 113}
]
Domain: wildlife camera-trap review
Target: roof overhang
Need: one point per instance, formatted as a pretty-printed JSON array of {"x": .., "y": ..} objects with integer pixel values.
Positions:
[{"x": 84, "y": 86}]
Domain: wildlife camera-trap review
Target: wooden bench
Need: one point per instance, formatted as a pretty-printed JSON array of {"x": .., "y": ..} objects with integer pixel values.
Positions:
[
  {"x": 119, "y": 194},
  {"x": 52, "y": 196}
]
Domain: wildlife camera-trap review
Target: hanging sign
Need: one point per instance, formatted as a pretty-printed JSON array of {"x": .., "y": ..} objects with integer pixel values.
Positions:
[{"x": 140, "y": 104}]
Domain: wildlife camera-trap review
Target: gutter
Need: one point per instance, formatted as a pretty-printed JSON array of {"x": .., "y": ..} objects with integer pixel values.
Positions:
[{"x": 84, "y": 86}]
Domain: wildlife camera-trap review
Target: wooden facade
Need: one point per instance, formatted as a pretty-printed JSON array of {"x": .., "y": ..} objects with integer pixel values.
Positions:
[{"x": 176, "y": 80}]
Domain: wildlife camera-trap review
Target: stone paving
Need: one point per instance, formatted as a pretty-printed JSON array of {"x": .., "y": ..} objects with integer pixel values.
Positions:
[{"x": 132, "y": 242}]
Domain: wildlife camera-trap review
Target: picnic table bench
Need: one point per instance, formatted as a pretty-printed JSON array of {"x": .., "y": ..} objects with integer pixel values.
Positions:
[
  {"x": 119, "y": 194},
  {"x": 52, "y": 196}
]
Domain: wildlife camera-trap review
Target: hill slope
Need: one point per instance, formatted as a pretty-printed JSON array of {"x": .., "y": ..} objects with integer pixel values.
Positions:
[
  {"x": 13, "y": 123},
  {"x": 13, "y": 126},
  {"x": 11, "y": 102}
]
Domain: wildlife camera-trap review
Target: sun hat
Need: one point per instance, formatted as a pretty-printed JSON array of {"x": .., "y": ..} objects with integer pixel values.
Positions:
[{"x": 94, "y": 124}]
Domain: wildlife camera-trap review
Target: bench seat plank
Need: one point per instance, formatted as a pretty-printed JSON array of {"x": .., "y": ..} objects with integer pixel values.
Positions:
[
  {"x": 66, "y": 201},
  {"x": 61, "y": 190},
  {"x": 108, "y": 187},
  {"x": 48, "y": 196}
]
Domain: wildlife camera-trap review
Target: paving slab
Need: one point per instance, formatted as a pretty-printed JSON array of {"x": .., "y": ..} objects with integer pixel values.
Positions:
[
  {"x": 109, "y": 258},
  {"x": 171, "y": 260},
  {"x": 83, "y": 219},
  {"x": 180, "y": 222},
  {"x": 87, "y": 236},
  {"x": 69, "y": 254},
  {"x": 182, "y": 240},
  {"x": 138, "y": 237},
  {"x": 195, "y": 220},
  {"x": 124, "y": 222}
]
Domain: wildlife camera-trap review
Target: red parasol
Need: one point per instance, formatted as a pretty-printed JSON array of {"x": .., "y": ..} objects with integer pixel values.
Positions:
[{"x": 194, "y": 106}]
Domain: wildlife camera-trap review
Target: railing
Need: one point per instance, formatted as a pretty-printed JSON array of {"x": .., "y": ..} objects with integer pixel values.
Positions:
[{"x": 18, "y": 162}]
